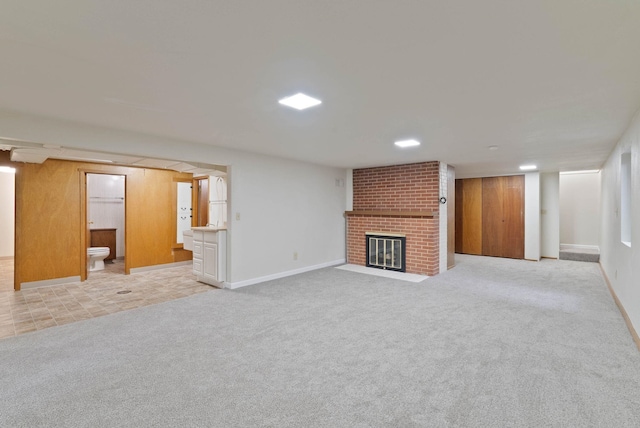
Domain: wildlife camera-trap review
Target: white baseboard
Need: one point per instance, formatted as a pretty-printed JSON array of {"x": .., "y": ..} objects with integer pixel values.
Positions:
[
  {"x": 49, "y": 282},
  {"x": 162, "y": 266},
  {"x": 569, "y": 247},
  {"x": 234, "y": 285}
]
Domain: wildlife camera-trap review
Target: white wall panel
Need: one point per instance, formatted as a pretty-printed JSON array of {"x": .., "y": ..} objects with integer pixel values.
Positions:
[
  {"x": 7, "y": 213},
  {"x": 550, "y": 214},
  {"x": 580, "y": 209},
  {"x": 620, "y": 262}
]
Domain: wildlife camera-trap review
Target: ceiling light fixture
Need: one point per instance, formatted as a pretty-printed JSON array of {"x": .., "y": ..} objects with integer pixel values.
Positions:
[
  {"x": 81, "y": 159},
  {"x": 583, "y": 171},
  {"x": 407, "y": 143},
  {"x": 528, "y": 167},
  {"x": 299, "y": 101},
  {"x": 494, "y": 147},
  {"x": 7, "y": 169}
]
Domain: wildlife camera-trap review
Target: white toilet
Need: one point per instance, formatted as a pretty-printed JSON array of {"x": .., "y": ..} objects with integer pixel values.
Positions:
[{"x": 96, "y": 257}]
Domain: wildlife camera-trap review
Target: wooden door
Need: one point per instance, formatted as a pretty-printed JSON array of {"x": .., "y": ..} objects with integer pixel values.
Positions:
[
  {"x": 492, "y": 222},
  {"x": 200, "y": 202},
  {"x": 503, "y": 216},
  {"x": 468, "y": 213},
  {"x": 513, "y": 213}
]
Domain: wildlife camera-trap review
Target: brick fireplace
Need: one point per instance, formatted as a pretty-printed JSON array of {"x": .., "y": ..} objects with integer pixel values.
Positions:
[{"x": 399, "y": 200}]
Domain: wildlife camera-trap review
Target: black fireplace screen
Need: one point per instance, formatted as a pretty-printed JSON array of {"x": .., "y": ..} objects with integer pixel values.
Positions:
[{"x": 386, "y": 252}]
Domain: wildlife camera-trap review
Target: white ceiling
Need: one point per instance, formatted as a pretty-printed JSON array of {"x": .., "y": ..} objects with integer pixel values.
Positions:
[{"x": 553, "y": 82}]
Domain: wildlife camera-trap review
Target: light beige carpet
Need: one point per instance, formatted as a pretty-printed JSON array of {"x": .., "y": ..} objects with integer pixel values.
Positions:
[{"x": 491, "y": 343}]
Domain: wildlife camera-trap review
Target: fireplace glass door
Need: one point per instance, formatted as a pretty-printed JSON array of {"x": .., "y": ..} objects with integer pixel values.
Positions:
[{"x": 386, "y": 252}]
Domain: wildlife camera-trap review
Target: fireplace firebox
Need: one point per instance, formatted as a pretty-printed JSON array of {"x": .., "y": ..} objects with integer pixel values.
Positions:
[{"x": 385, "y": 251}]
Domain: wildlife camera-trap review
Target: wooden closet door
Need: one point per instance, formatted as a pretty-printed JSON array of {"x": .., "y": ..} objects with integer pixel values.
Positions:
[
  {"x": 503, "y": 216},
  {"x": 468, "y": 207},
  {"x": 513, "y": 213},
  {"x": 492, "y": 219}
]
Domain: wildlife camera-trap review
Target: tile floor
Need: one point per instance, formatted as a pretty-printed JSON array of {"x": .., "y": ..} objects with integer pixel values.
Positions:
[{"x": 39, "y": 308}]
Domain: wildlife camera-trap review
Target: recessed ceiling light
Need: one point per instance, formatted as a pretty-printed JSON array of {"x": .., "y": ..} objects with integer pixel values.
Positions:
[
  {"x": 407, "y": 143},
  {"x": 299, "y": 101},
  {"x": 494, "y": 147},
  {"x": 582, "y": 171},
  {"x": 528, "y": 167}
]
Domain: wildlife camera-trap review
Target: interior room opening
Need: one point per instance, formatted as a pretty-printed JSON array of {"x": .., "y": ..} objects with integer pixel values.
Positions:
[{"x": 106, "y": 223}]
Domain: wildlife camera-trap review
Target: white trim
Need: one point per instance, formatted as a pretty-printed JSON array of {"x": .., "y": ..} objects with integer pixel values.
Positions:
[
  {"x": 49, "y": 282},
  {"x": 234, "y": 285},
  {"x": 568, "y": 247},
  {"x": 162, "y": 266},
  {"x": 443, "y": 238},
  {"x": 393, "y": 235}
]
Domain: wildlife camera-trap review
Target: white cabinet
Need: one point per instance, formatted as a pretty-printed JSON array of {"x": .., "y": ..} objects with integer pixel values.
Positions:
[{"x": 209, "y": 255}]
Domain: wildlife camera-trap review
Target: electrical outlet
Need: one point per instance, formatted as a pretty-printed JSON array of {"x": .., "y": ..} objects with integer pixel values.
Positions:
[
  {"x": 295, "y": 255},
  {"x": 238, "y": 216}
]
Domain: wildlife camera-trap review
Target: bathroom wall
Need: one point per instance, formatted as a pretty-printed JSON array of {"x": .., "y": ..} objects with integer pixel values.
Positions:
[
  {"x": 106, "y": 205},
  {"x": 49, "y": 234},
  {"x": 7, "y": 206}
]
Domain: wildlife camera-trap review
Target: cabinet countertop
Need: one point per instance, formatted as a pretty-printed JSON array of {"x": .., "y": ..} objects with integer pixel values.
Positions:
[{"x": 208, "y": 229}]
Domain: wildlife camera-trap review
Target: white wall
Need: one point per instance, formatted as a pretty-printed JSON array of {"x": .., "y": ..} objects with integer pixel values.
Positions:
[
  {"x": 550, "y": 214},
  {"x": 106, "y": 205},
  {"x": 285, "y": 206},
  {"x": 7, "y": 213},
  {"x": 532, "y": 216},
  {"x": 443, "y": 217},
  {"x": 580, "y": 209},
  {"x": 620, "y": 262},
  {"x": 349, "y": 190}
]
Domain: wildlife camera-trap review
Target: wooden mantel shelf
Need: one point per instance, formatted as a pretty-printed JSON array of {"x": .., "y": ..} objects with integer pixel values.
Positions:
[{"x": 427, "y": 214}]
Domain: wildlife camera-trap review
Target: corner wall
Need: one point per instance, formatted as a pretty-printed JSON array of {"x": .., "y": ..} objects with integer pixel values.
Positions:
[
  {"x": 621, "y": 263},
  {"x": 7, "y": 208},
  {"x": 580, "y": 209},
  {"x": 532, "y": 236},
  {"x": 550, "y": 215}
]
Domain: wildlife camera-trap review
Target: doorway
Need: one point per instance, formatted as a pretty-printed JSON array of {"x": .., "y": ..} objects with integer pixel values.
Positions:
[
  {"x": 7, "y": 227},
  {"x": 201, "y": 205},
  {"x": 105, "y": 219}
]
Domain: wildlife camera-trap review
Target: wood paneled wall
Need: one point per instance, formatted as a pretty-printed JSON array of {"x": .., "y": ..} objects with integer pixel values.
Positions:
[
  {"x": 50, "y": 218},
  {"x": 469, "y": 216}
]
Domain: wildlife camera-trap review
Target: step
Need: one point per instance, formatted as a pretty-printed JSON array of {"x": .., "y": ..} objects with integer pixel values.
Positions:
[{"x": 580, "y": 256}]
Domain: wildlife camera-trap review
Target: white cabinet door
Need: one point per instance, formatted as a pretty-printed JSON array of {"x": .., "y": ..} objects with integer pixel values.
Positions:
[{"x": 210, "y": 261}]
